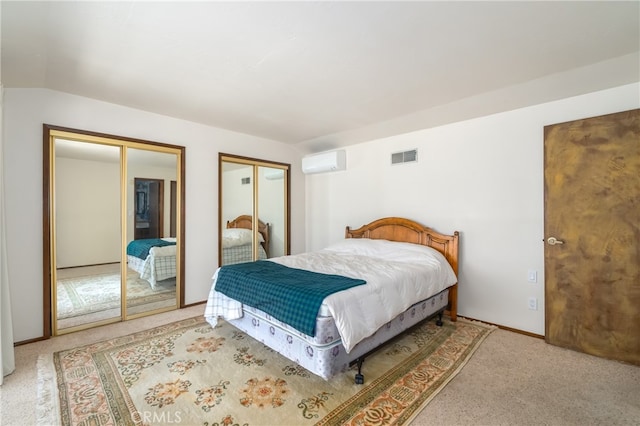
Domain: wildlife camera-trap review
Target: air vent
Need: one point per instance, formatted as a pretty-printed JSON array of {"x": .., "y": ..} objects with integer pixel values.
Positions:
[
  {"x": 404, "y": 157},
  {"x": 246, "y": 180}
]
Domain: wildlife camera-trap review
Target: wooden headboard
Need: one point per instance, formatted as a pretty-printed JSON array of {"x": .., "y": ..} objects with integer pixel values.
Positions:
[
  {"x": 246, "y": 222},
  {"x": 408, "y": 231}
]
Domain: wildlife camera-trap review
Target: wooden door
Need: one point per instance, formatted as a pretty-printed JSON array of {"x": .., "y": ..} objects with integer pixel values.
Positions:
[
  {"x": 173, "y": 208},
  {"x": 149, "y": 208},
  {"x": 156, "y": 208},
  {"x": 592, "y": 207}
]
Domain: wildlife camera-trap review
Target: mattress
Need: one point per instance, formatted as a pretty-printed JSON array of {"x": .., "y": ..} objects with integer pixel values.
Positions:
[
  {"x": 153, "y": 269},
  {"x": 397, "y": 276},
  {"x": 241, "y": 254},
  {"x": 324, "y": 354}
]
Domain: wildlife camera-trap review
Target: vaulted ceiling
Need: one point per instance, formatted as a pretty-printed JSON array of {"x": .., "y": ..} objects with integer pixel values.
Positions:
[{"x": 321, "y": 74}]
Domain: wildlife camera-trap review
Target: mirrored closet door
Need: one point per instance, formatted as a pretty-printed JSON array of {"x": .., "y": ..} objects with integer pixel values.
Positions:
[
  {"x": 114, "y": 236},
  {"x": 253, "y": 209}
]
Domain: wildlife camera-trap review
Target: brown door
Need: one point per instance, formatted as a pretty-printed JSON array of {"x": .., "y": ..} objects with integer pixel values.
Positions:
[
  {"x": 156, "y": 209},
  {"x": 173, "y": 204},
  {"x": 149, "y": 207},
  {"x": 592, "y": 209}
]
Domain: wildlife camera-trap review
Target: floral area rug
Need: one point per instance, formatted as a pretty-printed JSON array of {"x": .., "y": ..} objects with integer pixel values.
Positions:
[
  {"x": 187, "y": 373},
  {"x": 82, "y": 295}
]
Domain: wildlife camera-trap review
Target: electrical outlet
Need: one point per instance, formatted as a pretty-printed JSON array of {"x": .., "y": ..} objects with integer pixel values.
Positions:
[
  {"x": 532, "y": 276},
  {"x": 533, "y": 303}
]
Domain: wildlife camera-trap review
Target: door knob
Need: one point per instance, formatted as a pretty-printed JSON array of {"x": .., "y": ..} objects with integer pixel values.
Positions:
[{"x": 552, "y": 241}]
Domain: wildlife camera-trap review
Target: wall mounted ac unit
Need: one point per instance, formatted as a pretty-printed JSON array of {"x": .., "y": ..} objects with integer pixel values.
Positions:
[
  {"x": 324, "y": 162},
  {"x": 274, "y": 174}
]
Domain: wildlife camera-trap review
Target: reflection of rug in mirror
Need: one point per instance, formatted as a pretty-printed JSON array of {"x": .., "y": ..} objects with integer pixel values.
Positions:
[
  {"x": 82, "y": 295},
  {"x": 188, "y": 373}
]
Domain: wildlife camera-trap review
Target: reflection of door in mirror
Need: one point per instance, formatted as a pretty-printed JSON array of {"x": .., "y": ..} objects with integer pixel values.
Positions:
[
  {"x": 149, "y": 208},
  {"x": 254, "y": 209},
  {"x": 173, "y": 207},
  {"x": 90, "y": 220}
]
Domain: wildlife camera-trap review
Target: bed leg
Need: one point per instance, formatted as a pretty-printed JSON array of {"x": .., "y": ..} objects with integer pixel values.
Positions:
[
  {"x": 439, "y": 320},
  {"x": 359, "y": 376}
]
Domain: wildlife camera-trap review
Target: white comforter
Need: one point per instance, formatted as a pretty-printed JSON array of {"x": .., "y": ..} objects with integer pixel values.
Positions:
[
  {"x": 397, "y": 274},
  {"x": 163, "y": 251}
]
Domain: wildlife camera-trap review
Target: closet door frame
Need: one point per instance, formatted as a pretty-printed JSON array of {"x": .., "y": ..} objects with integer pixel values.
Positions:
[
  {"x": 50, "y": 133},
  {"x": 256, "y": 165}
]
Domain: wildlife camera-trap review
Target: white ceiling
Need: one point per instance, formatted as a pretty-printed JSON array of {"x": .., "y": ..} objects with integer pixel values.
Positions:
[{"x": 321, "y": 74}]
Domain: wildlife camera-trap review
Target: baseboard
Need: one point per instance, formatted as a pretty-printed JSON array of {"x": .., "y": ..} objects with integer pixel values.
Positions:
[
  {"x": 25, "y": 342},
  {"x": 504, "y": 327},
  {"x": 193, "y": 304}
]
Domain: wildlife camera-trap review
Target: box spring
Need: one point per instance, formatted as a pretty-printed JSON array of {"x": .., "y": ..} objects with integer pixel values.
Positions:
[{"x": 324, "y": 354}]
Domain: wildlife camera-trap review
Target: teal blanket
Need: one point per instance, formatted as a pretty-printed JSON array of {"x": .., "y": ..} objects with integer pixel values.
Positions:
[
  {"x": 140, "y": 248},
  {"x": 290, "y": 295}
]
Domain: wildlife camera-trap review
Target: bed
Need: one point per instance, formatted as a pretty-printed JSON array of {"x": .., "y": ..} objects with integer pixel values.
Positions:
[
  {"x": 370, "y": 252},
  {"x": 153, "y": 259},
  {"x": 237, "y": 240}
]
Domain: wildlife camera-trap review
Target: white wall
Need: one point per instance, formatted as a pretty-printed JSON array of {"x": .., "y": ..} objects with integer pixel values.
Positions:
[
  {"x": 237, "y": 198},
  {"x": 25, "y": 110},
  {"x": 87, "y": 212},
  {"x": 482, "y": 177}
]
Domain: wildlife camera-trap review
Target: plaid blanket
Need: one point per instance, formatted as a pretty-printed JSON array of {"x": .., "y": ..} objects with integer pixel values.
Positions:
[
  {"x": 140, "y": 248},
  {"x": 290, "y": 295}
]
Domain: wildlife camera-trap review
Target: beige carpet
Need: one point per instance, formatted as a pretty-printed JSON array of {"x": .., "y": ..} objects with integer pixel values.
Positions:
[
  {"x": 188, "y": 373},
  {"x": 512, "y": 379}
]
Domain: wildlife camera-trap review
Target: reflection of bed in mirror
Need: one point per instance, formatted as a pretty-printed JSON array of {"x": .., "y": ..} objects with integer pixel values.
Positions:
[
  {"x": 154, "y": 259},
  {"x": 237, "y": 240},
  {"x": 407, "y": 268}
]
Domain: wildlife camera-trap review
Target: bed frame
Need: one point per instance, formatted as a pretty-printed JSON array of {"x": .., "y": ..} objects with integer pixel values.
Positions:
[
  {"x": 405, "y": 230},
  {"x": 408, "y": 231},
  {"x": 392, "y": 229},
  {"x": 246, "y": 222}
]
